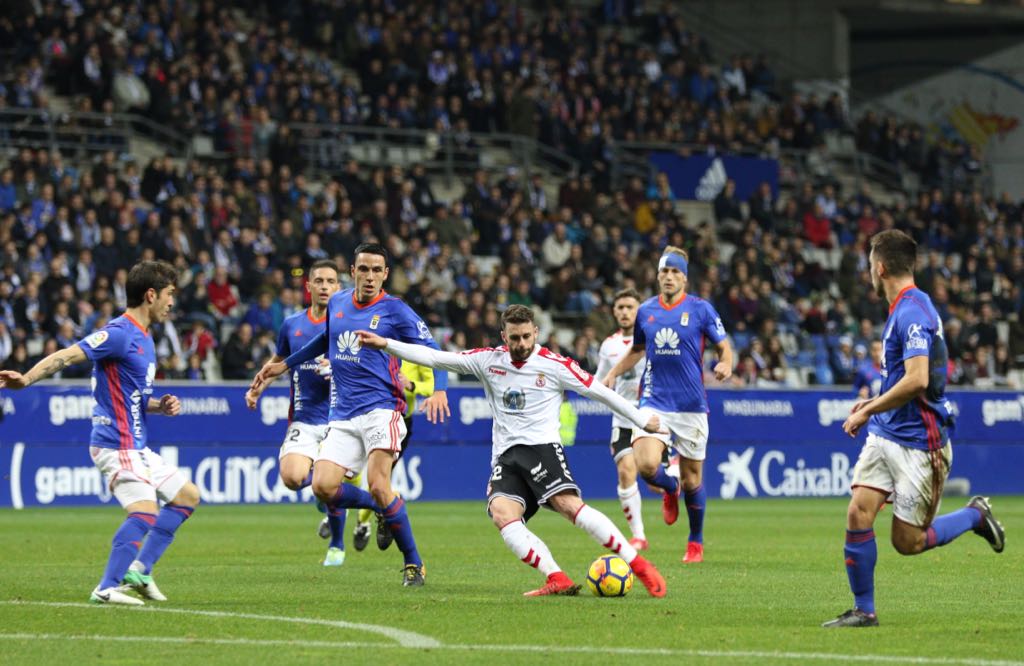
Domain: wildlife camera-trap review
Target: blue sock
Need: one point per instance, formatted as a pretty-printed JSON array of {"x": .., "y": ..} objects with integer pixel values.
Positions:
[
  {"x": 160, "y": 537},
  {"x": 125, "y": 546},
  {"x": 397, "y": 520},
  {"x": 352, "y": 497},
  {"x": 948, "y": 527},
  {"x": 662, "y": 480},
  {"x": 696, "y": 503},
  {"x": 861, "y": 554},
  {"x": 307, "y": 481},
  {"x": 336, "y": 519}
]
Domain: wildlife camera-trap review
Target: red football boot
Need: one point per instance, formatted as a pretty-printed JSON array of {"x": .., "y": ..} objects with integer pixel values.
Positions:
[
  {"x": 558, "y": 583},
  {"x": 649, "y": 576},
  {"x": 694, "y": 553}
]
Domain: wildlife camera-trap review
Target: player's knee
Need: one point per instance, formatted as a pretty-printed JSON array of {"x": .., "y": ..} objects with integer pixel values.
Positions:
[
  {"x": 293, "y": 480},
  {"x": 567, "y": 503},
  {"x": 647, "y": 468},
  {"x": 502, "y": 514},
  {"x": 381, "y": 491},
  {"x": 188, "y": 496},
  {"x": 323, "y": 489},
  {"x": 859, "y": 517},
  {"x": 908, "y": 542}
]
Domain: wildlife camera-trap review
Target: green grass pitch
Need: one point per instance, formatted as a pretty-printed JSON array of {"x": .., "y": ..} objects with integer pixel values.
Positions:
[{"x": 245, "y": 586}]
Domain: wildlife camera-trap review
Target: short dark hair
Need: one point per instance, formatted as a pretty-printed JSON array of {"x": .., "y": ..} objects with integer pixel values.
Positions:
[
  {"x": 147, "y": 275},
  {"x": 371, "y": 248},
  {"x": 324, "y": 263},
  {"x": 516, "y": 314},
  {"x": 896, "y": 250},
  {"x": 629, "y": 292}
]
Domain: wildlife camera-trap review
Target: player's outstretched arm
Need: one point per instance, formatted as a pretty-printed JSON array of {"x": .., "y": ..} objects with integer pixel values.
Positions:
[
  {"x": 272, "y": 371},
  {"x": 436, "y": 406},
  {"x": 619, "y": 405},
  {"x": 624, "y": 365},
  {"x": 420, "y": 354},
  {"x": 252, "y": 396},
  {"x": 47, "y": 367},
  {"x": 168, "y": 405},
  {"x": 266, "y": 376}
]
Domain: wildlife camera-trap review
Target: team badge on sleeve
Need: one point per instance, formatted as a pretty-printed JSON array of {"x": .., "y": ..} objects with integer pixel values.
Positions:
[
  {"x": 97, "y": 339},
  {"x": 424, "y": 332},
  {"x": 915, "y": 337},
  {"x": 719, "y": 326}
]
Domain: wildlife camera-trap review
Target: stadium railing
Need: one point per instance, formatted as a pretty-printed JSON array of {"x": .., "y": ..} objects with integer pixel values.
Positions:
[
  {"x": 327, "y": 147},
  {"x": 83, "y": 134}
]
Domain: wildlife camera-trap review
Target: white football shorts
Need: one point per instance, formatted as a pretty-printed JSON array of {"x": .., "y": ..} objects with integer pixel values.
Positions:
[
  {"x": 688, "y": 432},
  {"x": 303, "y": 439},
  {"x": 348, "y": 443},
  {"x": 906, "y": 475},
  {"x": 136, "y": 475}
]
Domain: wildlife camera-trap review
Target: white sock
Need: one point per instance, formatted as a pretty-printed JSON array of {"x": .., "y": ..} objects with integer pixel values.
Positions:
[
  {"x": 529, "y": 548},
  {"x": 603, "y": 531},
  {"x": 629, "y": 498}
]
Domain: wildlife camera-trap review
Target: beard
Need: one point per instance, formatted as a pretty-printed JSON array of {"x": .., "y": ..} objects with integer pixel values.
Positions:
[{"x": 876, "y": 284}]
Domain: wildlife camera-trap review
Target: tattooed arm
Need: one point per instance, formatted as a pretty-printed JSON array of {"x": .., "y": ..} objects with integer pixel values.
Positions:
[{"x": 48, "y": 367}]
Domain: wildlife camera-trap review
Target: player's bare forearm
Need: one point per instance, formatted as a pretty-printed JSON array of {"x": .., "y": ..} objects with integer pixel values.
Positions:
[
  {"x": 631, "y": 358},
  {"x": 47, "y": 367},
  {"x": 168, "y": 405},
  {"x": 267, "y": 375},
  {"x": 723, "y": 369},
  {"x": 257, "y": 390}
]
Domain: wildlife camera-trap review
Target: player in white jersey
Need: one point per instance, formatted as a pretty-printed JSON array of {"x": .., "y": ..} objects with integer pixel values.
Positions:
[
  {"x": 524, "y": 383},
  {"x": 627, "y": 385}
]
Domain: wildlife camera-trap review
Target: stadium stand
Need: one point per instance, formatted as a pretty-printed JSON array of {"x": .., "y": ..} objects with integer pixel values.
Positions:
[{"x": 242, "y": 153}]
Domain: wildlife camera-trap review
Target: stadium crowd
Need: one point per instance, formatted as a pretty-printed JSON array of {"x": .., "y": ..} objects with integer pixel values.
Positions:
[
  {"x": 560, "y": 76},
  {"x": 788, "y": 272}
]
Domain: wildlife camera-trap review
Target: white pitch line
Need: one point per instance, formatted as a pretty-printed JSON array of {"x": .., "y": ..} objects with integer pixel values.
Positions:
[
  {"x": 646, "y": 652},
  {"x": 403, "y": 638}
]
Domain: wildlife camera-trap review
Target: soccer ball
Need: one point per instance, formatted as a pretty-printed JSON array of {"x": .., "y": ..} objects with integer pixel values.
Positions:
[{"x": 610, "y": 576}]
